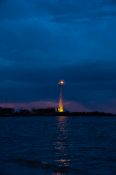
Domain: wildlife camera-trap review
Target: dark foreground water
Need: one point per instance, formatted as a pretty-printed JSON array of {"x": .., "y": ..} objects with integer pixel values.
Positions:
[{"x": 58, "y": 146}]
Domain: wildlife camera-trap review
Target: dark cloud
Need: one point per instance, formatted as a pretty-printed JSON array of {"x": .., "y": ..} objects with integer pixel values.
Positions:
[
  {"x": 62, "y": 11},
  {"x": 42, "y": 42},
  {"x": 112, "y": 1},
  {"x": 73, "y": 11}
]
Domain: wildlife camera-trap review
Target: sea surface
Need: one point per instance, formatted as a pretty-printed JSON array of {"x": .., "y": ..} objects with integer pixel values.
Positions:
[{"x": 58, "y": 145}]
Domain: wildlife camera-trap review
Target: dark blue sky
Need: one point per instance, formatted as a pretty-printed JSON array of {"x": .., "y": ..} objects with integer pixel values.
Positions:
[{"x": 42, "y": 41}]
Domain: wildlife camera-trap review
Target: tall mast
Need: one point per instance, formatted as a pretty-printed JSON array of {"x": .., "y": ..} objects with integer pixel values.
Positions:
[{"x": 60, "y": 105}]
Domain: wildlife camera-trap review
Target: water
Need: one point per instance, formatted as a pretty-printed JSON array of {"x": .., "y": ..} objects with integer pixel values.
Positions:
[{"x": 58, "y": 146}]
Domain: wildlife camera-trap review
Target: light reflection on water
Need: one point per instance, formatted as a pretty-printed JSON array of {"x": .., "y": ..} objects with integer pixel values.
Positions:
[
  {"x": 58, "y": 173},
  {"x": 60, "y": 144}
]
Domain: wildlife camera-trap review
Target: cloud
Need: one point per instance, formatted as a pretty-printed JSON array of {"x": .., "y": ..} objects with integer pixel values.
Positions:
[
  {"x": 42, "y": 42},
  {"x": 68, "y": 105},
  {"x": 107, "y": 106},
  {"x": 15, "y": 9},
  {"x": 57, "y": 10},
  {"x": 71, "y": 11},
  {"x": 35, "y": 35}
]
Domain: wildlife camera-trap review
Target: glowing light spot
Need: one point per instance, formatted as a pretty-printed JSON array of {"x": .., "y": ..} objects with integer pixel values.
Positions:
[{"x": 61, "y": 82}]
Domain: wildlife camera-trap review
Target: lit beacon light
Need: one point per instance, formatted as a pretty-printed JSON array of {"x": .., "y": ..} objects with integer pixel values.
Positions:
[{"x": 61, "y": 82}]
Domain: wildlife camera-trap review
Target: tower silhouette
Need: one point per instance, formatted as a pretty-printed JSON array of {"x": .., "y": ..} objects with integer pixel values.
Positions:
[{"x": 60, "y": 105}]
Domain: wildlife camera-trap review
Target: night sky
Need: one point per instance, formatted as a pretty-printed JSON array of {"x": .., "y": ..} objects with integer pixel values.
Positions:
[{"x": 43, "y": 41}]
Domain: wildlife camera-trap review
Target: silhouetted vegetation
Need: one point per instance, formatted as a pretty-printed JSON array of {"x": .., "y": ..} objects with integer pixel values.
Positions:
[
  {"x": 7, "y": 111},
  {"x": 48, "y": 112}
]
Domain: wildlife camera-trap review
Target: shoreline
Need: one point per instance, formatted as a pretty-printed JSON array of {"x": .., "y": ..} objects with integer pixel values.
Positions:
[{"x": 75, "y": 114}]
